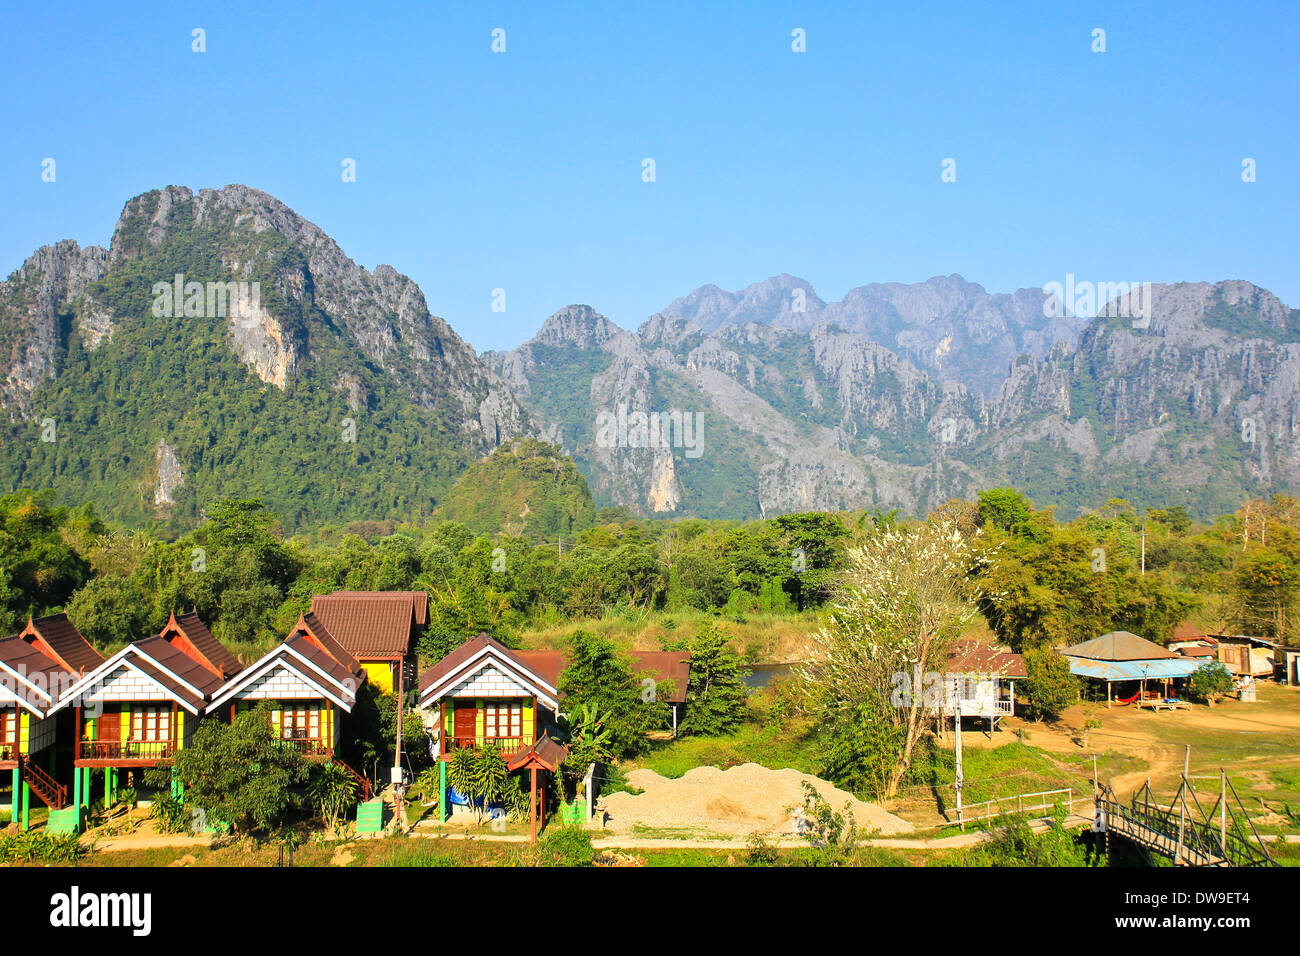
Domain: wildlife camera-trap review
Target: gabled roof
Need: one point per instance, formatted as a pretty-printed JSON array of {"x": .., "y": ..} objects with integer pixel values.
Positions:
[
  {"x": 1189, "y": 632},
  {"x": 32, "y": 677},
  {"x": 674, "y": 666},
  {"x": 465, "y": 660},
  {"x": 545, "y": 753},
  {"x": 178, "y": 675},
  {"x": 213, "y": 652},
  {"x": 372, "y": 624},
  {"x": 1118, "y": 646},
  {"x": 63, "y": 642},
  {"x": 305, "y": 659},
  {"x": 310, "y": 626},
  {"x": 972, "y": 657}
]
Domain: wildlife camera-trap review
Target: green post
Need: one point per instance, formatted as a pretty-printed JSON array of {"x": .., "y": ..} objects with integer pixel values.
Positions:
[
  {"x": 76, "y": 787},
  {"x": 27, "y": 806},
  {"x": 85, "y": 786},
  {"x": 442, "y": 791}
]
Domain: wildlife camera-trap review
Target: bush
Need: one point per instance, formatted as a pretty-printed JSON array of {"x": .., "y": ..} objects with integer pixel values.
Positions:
[
  {"x": 1209, "y": 682},
  {"x": 567, "y": 846},
  {"x": 1050, "y": 687},
  {"x": 37, "y": 846}
]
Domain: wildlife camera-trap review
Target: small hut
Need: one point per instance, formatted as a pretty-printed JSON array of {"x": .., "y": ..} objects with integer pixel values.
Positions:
[{"x": 1130, "y": 661}]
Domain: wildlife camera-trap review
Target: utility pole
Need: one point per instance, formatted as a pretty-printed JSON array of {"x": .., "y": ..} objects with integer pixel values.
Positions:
[
  {"x": 956, "y": 699},
  {"x": 397, "y": 758},
  {"x": 1144, "y": 550}
]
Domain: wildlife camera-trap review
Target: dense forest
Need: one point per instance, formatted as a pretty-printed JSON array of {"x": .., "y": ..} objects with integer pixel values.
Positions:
[{"x": 1051, "y": 583}]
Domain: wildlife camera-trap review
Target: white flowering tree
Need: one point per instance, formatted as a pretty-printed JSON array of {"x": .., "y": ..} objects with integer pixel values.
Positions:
[{"x": 906, "y": 596}]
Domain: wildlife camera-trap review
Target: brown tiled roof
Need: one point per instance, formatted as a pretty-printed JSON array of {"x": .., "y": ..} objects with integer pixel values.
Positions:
[
  {"x": 315, "y": 628},
  {"x": 972, "y": 657},
  {"x": 370, "y": 624},
  {"x": 544, "y": 753},
  {"x": 71, "y": 649},
  {"x": 322, "y": 660},
  {"x": 419, "y": 601},
  {"x": 179, "y": 663},
  {"x": 1198, "y": 651},
  {"x": 460, "y": 655},
  {"x": 1188, "y": 632},
  {"x": 674, "y": 666},
  {"x": 28, "y": 660},
  {"x": 206, "y": 643}
]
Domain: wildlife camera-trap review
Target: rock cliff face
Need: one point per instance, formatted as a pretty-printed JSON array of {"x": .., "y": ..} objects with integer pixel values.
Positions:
[
  {"x": 237, "y": 270},
  {"x": 807, "y": 405}
]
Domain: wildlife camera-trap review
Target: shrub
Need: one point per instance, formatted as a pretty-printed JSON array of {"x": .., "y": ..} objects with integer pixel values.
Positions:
[
  {"x": 566, "y": 846},
  {"x": 1209, "y": 682},
  {"x": 37, "y": 846}
]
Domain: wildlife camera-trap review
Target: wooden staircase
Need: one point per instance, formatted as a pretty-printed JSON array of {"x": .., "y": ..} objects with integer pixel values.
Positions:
[
  {"x": 51, "y": 793},
  {"x": 363, "y": 783}
]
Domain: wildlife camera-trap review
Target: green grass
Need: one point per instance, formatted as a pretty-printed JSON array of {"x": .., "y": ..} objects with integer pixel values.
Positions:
[{"x": 773, "y": 747}]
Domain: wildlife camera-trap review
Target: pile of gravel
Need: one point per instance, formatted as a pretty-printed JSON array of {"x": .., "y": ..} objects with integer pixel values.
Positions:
[{"x": 736, "y": 802}]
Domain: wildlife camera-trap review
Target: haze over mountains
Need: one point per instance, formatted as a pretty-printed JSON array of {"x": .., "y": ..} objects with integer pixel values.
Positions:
[{"x": 897, "y": 396}]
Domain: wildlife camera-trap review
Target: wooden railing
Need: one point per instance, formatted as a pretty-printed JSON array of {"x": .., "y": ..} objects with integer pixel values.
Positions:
[
  {"x": 507, "y": 745},
  {"x": 1044, "y": 801},
  {"x": 125, "y": 749},
  {"x": 308, "y": 746}
]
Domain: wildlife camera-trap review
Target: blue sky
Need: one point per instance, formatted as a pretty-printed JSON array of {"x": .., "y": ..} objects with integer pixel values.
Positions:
[{"x": 522, "y": 170}]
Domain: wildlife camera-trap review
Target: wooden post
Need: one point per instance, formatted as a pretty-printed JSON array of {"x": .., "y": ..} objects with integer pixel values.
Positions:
[{"x": 532, "y": 800}]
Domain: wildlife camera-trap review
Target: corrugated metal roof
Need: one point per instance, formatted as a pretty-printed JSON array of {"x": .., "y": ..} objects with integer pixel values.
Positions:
[
  {"x": 1134, "y": 670},
  {"x": 1118, "y": 646},
  {"x": 971, "y": 657}
]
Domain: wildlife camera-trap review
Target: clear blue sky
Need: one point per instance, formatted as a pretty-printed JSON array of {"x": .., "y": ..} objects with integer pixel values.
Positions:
[{"x": 522, "y": 170}]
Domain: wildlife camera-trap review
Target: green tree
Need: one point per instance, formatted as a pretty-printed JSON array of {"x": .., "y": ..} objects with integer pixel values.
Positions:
[
  {"x": 240, "y": 773},
  {"x": 1210, "y": 681},
  {"x": 1050, "y": 687},
  {"x": 716, "y": 693},
  {"x": 598, "y": 675}
]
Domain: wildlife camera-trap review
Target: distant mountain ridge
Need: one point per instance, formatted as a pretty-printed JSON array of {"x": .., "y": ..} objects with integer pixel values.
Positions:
[
  {"x": 808, "y": 404},
  {"x": 335, "y": 394}
]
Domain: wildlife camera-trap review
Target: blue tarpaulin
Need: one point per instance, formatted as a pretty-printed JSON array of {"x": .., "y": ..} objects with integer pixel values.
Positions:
[{"x": 1134, "y": 670}]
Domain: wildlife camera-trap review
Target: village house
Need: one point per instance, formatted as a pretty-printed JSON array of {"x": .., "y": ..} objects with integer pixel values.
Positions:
[
  {"x": 981, "y": 680},
  {"x": 485, "y": 694},
  {"x": 139, "y": 707},
  {"x": 379, "y": 628},
  {"x": 36, "y": 666},
  {"x": 311, "y": 682}
]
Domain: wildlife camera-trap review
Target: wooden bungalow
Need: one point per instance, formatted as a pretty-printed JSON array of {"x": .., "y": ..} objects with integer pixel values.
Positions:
[
  {"x": 379, "y": 628},
  {"x": 139, "y": 707},
  {"x": 981, "y": 680},
  {"x": 311, "y": 682},
  {"x": 33, "y": 675},
  {"x": 482, "y": 694}
]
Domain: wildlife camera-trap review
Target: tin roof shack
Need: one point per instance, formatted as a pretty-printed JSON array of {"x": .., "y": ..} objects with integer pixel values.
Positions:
[
  {"x": 1246, "y": 656},
  {"x": 1190, "y": 641},
  {"x": 981, "y": 679},
  {"x": 139, "y": 707},
  {"x": 33, "y": 675},
  {"x": 1124, "y": 659},
  {"x": 1287, "y": 662},
  {"x": 379, "y": 628}
]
